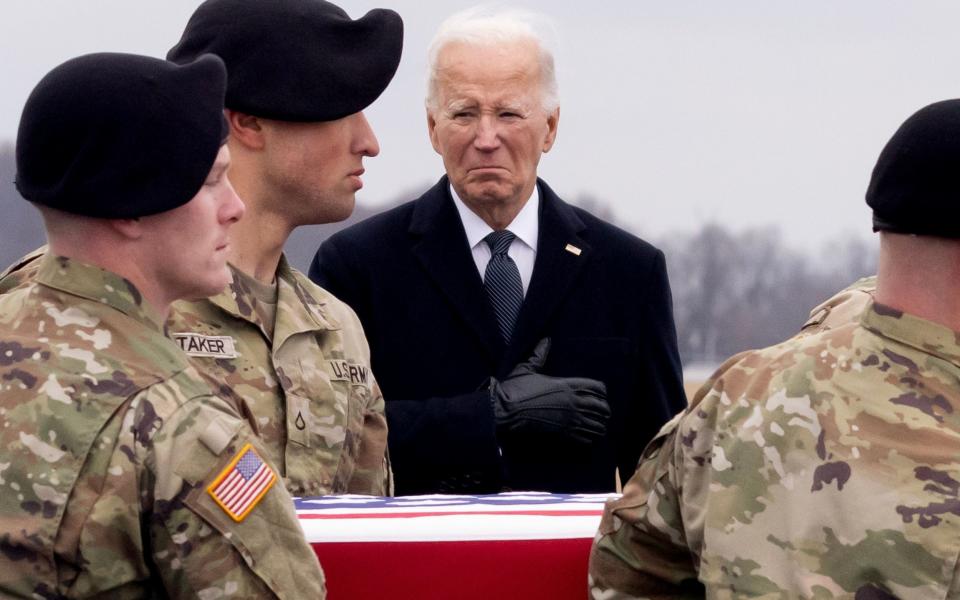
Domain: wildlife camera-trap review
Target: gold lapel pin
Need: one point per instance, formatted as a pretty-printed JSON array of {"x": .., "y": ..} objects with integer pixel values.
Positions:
[{"x": 573, "y": 250}]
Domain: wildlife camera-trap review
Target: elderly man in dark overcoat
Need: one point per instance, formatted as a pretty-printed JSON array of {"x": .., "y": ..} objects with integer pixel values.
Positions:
[{"x": 520, "y": 342}]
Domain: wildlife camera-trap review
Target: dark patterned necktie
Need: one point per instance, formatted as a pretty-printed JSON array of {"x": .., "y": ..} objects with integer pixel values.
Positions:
[{"x": 502, "y": 282}]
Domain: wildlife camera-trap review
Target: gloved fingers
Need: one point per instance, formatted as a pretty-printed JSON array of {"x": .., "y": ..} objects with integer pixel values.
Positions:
[
  {"x": 593, "y": 404},
  {"x": 534, "y": 385},
  {"x": 559, "y": 403},
  {"x": 531, "y": 427},
  {"x": 582, "y": 431},
  {"x": 562, "y": 417},
  {"x": 530, "y": 384},
  {"x": 538, "y": 424},
  {"x": 536, "y": 360},
  {"x": 592, "y": 386},
  {"x": 532, "y": 388},
  {"x": 588, "y": 422},
  {"x": 588, "y": 425},
  {"x": 597, "y": 424},
  {"x": 597, "y": 421}
]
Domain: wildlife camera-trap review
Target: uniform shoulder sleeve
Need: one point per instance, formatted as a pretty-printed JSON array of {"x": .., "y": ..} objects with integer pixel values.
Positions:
[
  {"x": 842, "y": 308},
  {"x": 650, "y": 539},
  {"x": 21, "y": 271},
  {"x": 641, "y": 549},
  {"x": 221, "y": 520}
]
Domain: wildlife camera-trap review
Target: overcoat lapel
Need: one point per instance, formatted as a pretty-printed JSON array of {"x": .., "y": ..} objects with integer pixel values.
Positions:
[
  {"x": 556, "y": 268},
  {"x": 440, "y": 244}
]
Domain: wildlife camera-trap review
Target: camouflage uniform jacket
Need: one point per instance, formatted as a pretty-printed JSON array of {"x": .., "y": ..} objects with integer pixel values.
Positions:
[
  {"x": 844, "y": 307},
  {"x": 825, "y": 467},
  {"x": 22, "y": 271},
  {"x": 309, "y": 388},
  {"x": 109, "y": 440}
]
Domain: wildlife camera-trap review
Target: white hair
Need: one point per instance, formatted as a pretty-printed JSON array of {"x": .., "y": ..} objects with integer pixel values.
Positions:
[{"x": 489, "y": 25}]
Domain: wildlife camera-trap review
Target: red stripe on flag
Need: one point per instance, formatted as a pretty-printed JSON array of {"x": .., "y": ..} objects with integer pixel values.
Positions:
[
  {"x": 244, "y": 491},
  {"x": 251, "y": 489},
  {"x": 232, "y": 480},
  {"x": 227, "y": 488},
  {"x": 241, "y": 498},
  {"x": 236, "y": 495},
  {"x": 264, "y": 480}
]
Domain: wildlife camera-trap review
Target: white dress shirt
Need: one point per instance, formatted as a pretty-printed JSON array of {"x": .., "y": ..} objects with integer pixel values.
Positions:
[{"x": 525, "y": 226}]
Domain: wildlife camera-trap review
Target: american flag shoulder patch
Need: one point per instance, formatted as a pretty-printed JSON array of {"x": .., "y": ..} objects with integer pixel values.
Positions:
[{"x": 241, "y": 485}]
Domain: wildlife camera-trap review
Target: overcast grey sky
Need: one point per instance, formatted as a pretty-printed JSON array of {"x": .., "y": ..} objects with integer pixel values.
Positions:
[{"x": 675, "y": 113}]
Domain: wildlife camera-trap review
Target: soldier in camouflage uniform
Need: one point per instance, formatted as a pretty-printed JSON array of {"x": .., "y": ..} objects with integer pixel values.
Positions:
[
  {"x": 122, "y": 474},
  {"x": 293, "y": 352},
  {"x": 827, "y": 466},
  {"x": 298, "y": 359}
]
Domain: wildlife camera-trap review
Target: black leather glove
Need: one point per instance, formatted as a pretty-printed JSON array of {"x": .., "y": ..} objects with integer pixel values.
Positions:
[{"x": 527, "y": 401}]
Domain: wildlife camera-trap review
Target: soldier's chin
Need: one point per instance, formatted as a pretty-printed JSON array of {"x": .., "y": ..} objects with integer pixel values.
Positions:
[{"x": 211, "y": 286}]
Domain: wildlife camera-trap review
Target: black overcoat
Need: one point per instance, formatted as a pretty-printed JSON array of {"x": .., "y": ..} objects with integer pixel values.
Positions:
[{"x": 599, "y": 293}]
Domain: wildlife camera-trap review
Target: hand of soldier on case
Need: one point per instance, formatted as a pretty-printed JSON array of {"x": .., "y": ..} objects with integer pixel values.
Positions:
[{"x": 527, "y": 401}]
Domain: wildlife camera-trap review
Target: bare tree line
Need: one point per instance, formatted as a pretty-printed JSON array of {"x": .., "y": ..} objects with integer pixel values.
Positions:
[
  {"x": 731, "y": 290},
  {"x": 736, "y": 291}
]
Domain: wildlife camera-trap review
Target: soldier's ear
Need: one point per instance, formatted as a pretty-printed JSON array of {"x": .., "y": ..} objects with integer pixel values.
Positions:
[
  {"x": 246, "y": 130},
  {"x": 129, "y": 228}
]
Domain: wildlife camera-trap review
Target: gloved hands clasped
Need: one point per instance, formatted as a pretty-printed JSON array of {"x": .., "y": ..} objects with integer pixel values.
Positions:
[{"x": 527, "y": 401}]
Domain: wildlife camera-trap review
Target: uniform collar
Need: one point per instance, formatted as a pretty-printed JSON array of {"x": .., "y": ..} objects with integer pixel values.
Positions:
[
  {"x": 525, "y": 225},
  {"x": 239, "y": 301},
  {"x": 97, "y": 285},
  {"x": 925, "y": 336}
]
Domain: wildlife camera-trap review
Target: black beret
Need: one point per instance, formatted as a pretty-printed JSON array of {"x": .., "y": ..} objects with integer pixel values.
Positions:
[
  {"x": 119, "y": 135},
  {"x": 915, "y": 187},
  {"x": 296, "y": 60}
]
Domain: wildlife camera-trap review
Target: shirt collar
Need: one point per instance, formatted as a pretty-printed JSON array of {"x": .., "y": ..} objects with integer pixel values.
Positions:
[
  {"x": 926, "y": 336},
  {"x": 526, "y": 225},
  {"x": 238, "y": 301},
  {"x": 97, "y": 285}
]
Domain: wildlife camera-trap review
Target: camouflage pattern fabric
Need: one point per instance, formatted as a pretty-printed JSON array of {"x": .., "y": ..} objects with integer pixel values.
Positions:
[
  {"x": 844, "y": 307},
  {"x": 310, "y": 390},
  {"x": 108, "y": 442},
  {"x": 22, "y": 271},
  {"x": 825, "y": 467}
]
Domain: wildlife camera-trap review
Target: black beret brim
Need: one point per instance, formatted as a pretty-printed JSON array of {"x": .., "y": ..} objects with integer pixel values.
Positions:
[{"x": 296, "y": 60}]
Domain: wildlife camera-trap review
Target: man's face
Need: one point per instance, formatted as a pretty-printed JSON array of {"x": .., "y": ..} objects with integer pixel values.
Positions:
[
  {"x": 314, "y": 169},
  {"x": 190, "y": 242},
  {"x": 489, "y": 124}
]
